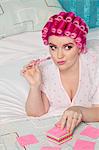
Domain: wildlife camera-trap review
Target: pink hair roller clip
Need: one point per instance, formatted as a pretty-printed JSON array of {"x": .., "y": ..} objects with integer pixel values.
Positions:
[
  {"x": 79, "y": 45},
  {"x": 69, "y": 29},
  {"x": 70, "y": 16},
  {"x": 62, "y": 15},
  {"x": 46, "y": 28},
  {"x": 54, "y": 26},
  {"x": 82, "y": 26},
  {"x": 77, "y": 21},
  {"x": 79, "y": 37},
  {"x": 59, "y": 18},
  {"x": 52, "y": 18},
  {"x": 45, "y": 42},
  {"x": 75, "y": 32},
  {"x": 86, "y": 29},
  {"x": 61, "y": 26},
  {"x": 44, "y": 35}
]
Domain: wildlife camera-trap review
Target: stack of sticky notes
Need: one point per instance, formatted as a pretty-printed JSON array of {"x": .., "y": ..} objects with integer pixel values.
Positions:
[{"x": 58, "y": 135}]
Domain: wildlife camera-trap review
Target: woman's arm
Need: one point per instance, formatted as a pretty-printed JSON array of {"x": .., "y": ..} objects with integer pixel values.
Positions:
[
  {"x": 76, "y": 114},
  {"x": 90, "y": 114},
  {"x": 37, "y": 103}
]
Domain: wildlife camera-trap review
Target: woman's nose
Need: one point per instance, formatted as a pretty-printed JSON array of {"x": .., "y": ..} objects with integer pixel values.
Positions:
[{"x": 60, "y": 53}]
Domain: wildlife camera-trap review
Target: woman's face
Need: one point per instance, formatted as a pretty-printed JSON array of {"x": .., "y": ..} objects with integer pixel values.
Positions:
[{"x": 64, "y": 51}]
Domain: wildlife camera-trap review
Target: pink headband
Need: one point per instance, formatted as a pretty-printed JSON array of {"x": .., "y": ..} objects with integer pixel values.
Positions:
[{"x": 66, "y": 24}]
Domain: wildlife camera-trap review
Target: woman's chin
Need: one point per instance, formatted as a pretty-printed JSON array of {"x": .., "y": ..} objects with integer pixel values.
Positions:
[{"x": 62, "y": 68}]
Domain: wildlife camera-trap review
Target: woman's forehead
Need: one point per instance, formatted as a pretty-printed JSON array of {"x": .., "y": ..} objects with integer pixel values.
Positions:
[{"x": 57, "y": 40}]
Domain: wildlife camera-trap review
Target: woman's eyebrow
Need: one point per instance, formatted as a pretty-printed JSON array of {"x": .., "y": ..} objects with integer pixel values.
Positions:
[
  {"x": 68, "y": 44},
  {"x": 62, "y": 45},
  {"x": 52, "y": 44}
]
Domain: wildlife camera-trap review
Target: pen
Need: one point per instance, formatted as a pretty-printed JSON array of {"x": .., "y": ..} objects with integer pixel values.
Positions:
[
  {"x": 44, "y": 59},
  {"x": 38, "y": 61}
]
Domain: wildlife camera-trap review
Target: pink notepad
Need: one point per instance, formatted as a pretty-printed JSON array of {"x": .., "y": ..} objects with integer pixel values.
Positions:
[
  {"x": 27, "y": 140},
  {"x": 58, "y": 135},
  {"x": 90, "y": 132},
  {"x": 84, "y": 145}
]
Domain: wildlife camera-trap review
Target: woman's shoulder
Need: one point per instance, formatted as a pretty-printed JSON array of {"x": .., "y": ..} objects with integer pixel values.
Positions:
[
  {"x": 91, "y": 62},
  {"x": 91, "y": 58}
]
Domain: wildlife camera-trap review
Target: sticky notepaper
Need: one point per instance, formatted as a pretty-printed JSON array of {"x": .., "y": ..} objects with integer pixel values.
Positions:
[
  {"x": 84, "y": 145},
  {"x": 58, "y": 135},
  {"x": 27, "y": 140},
  {"x": 91, "y": 132}
]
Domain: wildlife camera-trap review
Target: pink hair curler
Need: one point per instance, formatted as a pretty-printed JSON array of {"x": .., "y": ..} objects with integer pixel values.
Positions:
[
  {"x": 86, "y": 29},
  {"x": 62, "y": 15},
  {"x": 68, "y": 29},
  {"x": 61, "y": 26},
  {"x": 46, "y": 27},
  {"x": 51, "y": 19},
  {"x": 75, "y": 32},
  {"x": 44, "y": 35},
  {"x": 45, "y": 42},
  {"x": 82, "y": 26},
  {"x": 70, "y": 16},
  {"x": 79, "y": 45},
  {"x": 54, "y": 26},
  {"x": 77, "y": 21},
  {"x": 80, "y": 36}
]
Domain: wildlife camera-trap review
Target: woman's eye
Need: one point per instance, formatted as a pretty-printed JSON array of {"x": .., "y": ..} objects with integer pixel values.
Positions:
[
  {"x": 53, "y": 47},
  {"x": 68, "y": 47}
]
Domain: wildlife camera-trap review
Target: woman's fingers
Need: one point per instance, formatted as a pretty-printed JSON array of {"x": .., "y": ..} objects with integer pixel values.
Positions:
[
  {"x": 70, "y": 120},
  {"x": 79, "y": 119},
  {"x": 63, "y": 120},
  {"x": 74, "y": 121},
  {"x": 34, "y": 62}
]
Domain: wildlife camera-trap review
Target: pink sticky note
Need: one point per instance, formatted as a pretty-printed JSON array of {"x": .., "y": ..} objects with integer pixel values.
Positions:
[
  {"x": 90, "y": 132},
  {"x": 50, "y": 148},
  {"x": 57, "y": 132},
  {"x": 27, "y": 140},
  {"x": 84, "y": 145}
]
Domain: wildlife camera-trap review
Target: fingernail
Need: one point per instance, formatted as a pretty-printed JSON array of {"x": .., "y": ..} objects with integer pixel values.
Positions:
[
  {"x": 58, "y": 125},
  {"x": 68, "y": 130}
]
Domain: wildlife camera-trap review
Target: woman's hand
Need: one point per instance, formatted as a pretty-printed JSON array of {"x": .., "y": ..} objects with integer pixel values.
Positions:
[
  {"x": 70, "y": 118},
  {"x": 32, "y": 73}
]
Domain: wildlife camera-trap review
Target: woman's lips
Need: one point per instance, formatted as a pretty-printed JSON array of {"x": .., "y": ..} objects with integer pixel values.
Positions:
[{"x": 61, "y": 62}]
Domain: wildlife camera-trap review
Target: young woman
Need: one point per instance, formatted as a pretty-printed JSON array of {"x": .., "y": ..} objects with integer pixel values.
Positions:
[{"x": 69, "y": 82}]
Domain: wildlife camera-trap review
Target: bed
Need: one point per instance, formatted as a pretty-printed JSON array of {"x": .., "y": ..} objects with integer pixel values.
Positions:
[
  {"x": 21, "y": 22},
  {"x": 19, "y": 44}
]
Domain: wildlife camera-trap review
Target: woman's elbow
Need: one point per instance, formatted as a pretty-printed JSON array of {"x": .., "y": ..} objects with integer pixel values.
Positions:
[{"x": 35, "y": 114}]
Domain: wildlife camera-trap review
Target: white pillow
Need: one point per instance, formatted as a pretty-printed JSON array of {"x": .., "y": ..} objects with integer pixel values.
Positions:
[{"x": 20, "y": 46}]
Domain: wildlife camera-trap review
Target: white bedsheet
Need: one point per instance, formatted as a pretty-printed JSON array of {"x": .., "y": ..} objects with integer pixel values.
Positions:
[{"x": 15, "y": 52}]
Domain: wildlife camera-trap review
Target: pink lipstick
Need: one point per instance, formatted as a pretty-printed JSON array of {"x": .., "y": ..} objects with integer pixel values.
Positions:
[{"x": 61, "y": 62}]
